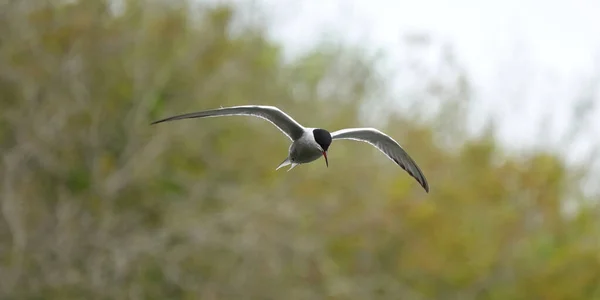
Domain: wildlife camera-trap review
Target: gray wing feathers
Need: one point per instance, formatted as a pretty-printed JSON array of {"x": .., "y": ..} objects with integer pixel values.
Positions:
[
  {"x": 281, "y": 120},
  {"x": 388, "y": 146}
]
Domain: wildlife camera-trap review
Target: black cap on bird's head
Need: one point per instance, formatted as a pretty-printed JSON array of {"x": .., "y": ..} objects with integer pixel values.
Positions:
[{"x": 323, "y": 138}]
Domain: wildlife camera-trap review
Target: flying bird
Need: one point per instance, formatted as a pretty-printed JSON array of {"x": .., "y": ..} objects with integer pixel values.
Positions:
[{"x": 309, "y": 144}]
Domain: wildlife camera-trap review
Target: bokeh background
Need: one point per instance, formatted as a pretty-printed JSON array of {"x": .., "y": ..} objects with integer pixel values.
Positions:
[{"x": 98, "y": 204}]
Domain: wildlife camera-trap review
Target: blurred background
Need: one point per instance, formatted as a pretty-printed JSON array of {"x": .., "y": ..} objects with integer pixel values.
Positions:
[{"x": 495, "y": 100}]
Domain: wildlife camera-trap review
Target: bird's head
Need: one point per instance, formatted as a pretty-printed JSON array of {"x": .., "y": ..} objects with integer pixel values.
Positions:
[{"x": 323, "y": 138}]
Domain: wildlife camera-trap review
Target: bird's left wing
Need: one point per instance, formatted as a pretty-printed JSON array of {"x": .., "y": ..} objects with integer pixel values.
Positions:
[
  {"x": 277, "y": 117},
  {"x": 388, "y": 146}
]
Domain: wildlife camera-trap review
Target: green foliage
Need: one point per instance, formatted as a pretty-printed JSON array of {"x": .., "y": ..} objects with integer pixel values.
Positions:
[{"x": 97, "y": 204}]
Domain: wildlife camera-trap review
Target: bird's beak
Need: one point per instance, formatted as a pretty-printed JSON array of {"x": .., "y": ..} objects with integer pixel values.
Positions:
[{"x": 325, "y": 155}]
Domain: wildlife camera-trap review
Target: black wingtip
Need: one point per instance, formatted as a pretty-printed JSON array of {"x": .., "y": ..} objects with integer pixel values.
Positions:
[
  {"x": 423, "y": 183},
  {"x": 159, "y": 121}
]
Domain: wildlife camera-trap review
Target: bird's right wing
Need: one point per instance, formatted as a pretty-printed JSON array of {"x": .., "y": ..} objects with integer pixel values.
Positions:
[
  {"x": 388, "y": 146},
  {"x": 277, "y": 117}
]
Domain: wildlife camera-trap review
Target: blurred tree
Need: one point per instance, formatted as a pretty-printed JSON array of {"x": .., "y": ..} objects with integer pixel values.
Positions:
[{"x": 98, "y": 204}]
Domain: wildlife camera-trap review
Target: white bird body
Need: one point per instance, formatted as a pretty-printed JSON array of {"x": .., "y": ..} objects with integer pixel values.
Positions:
[
  {"x": 303, "y": 150},
  {"x": 309, "y": 144}
]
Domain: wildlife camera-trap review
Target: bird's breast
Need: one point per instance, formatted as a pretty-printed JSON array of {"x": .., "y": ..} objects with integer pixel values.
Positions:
[{"x": 303, "y": 151}]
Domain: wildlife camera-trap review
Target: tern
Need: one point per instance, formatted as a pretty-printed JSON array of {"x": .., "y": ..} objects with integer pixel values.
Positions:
[{"x": 309, "y": 144}]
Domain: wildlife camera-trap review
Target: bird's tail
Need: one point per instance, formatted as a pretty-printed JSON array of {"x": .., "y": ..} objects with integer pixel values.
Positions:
[{"x": 285, "y": 163}]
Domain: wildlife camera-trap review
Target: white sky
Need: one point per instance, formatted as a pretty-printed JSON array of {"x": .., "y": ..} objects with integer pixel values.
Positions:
[{"x": 525, "y": 57}]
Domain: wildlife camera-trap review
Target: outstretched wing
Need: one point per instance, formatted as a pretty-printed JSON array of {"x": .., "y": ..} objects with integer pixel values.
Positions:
[
  {"x": 277, "y": 117},
  {"x": 388, "y": 146}
]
